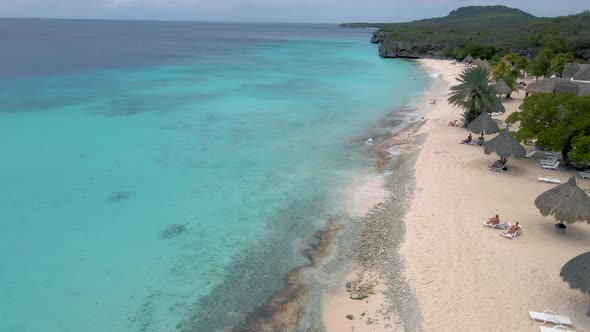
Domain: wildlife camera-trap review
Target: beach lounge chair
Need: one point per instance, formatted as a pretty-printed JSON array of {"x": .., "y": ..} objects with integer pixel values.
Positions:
[
  {"x": 584, "y": 175},
  {"x": 553, "y": 154},
  {"x": 553, "y": 167},
  {"x": 530, "y": 154},
  {"x": 548, "y": 179},
  {"x": 556, "y": 328},
  {"x": 549, "y": 316},
  {"x": 511, "y": 235},
  {"x": 503, "y": 225},
  {"x": 549, "y": 161}
]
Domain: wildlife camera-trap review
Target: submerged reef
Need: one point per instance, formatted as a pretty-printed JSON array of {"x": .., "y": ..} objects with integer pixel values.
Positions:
[
  {"x": 120, "y": 196},
  {"x": 173, "y": 231}
]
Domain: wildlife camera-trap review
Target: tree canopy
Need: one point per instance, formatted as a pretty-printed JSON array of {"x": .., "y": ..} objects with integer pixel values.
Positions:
[
  {"x": 560, "y": 123},
  {"x": 473, "y": 93},
  {"x": 548, "y": 63},
  {"x": 485, "y": 31},
  {"x": 508, "y": 69}
]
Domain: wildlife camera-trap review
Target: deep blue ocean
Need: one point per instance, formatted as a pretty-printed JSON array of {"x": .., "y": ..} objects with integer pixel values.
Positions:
[{"x": 153, "y": 171}]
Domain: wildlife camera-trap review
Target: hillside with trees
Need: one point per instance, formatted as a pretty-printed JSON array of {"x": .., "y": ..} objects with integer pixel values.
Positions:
[{"x": 485, "y": 32}]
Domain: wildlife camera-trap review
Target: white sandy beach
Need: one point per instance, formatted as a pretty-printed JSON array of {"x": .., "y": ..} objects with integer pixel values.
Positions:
[{"x": 465, "y": 276}]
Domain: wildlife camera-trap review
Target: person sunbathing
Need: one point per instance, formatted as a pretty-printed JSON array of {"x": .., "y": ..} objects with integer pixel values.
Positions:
[
  {"x": 453, "y": 123},
  {"x": 513, "y": 229},
  {"x": 494, "y": 220},
  {"x": 468, "y": 140}
]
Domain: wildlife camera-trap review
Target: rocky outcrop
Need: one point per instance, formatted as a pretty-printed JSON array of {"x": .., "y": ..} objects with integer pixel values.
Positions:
[
  {"x": 407, "y": 50},
  {"x": 378, "y": 37}
]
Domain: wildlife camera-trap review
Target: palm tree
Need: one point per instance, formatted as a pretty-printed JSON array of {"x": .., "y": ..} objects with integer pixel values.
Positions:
[{"x": 474, "y": 93}]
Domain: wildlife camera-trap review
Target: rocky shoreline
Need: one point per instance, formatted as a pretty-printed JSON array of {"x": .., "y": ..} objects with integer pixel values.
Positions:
[
  {"x": 382, "y": 233},
  {"x": 369, "y": 245}
]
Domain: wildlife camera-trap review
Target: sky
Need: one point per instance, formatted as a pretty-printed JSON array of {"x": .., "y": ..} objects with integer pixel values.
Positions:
[{"x": 313, "y": 11}]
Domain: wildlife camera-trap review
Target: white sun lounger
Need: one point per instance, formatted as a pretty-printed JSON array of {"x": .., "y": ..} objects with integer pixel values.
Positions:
[
  {"x": 549, "y": 161},
  {"x": 556, "y": 328},
  {"x": 553, "y": 154},
  {"x": 549, "y": 316},
  {"x": 584, "y": 175},
  {"x": 553, "y": 167},
  {"x": 548, "y": 179},
  {"x": 530, "y": 154},
  {"x": 503, "y": 225}
]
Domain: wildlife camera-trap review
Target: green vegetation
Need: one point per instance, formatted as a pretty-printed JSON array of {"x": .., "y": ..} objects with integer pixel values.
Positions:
[
  {"x": 560, "y": 123},
  {"x": 509, "y": 69},
  {"x": 541, "y": 65},
  {"x": 473, "y": 93},
  {"x": 488, "y": 31},
  {"x": 548, "y": 63},
  {"x": 559, "y": 61}
]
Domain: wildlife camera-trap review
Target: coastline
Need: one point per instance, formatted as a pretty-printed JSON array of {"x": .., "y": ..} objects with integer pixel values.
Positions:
[
  {"x": 362, "y": 217},
  {"x": 394, "y": 259},
  {"x": 377, "y": 267}
]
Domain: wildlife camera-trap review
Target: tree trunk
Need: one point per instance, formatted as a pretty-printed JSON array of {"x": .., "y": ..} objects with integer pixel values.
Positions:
[{"x": 566, "y": 149}]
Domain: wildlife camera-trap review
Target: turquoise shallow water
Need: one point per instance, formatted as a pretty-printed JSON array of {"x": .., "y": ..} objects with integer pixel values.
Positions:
[{"x": 132, "y": 190}]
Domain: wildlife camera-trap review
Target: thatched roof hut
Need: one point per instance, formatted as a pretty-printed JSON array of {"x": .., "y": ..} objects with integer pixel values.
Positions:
[
  {"x": 583, "y": 74},
  {"x": 468, "y": 59},
  {"x": 578, "y": 72},
  {"x": 563, "y": 86},
  {"x": 505, "y": 146},
  {"x": 566, "y": 202},
  {"x": 541, "y": 86},
  {"x": 576, "y": 273},
  {"x": 502, "y": 88},
  {"x": 483, "y": 124},
  {"x": 584, "y": 89},
  {"x": 570, "y": 70}
]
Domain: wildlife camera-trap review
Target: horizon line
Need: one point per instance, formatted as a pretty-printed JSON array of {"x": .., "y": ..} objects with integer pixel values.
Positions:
[{"x": 164, "y": 20}]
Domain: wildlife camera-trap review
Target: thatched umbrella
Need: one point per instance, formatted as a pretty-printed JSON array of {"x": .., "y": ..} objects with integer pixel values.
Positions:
[
  {"x": 498, "y": 108},
  {"x": 566, "y": 202},
  {"x": 576, "y": 273},
  {"x": 477, "y": 62},
  {"x": 483, "y": 124},
  {"x": 502, "y": 88},
  {"x": 486, "y": 65},
  {"x": 468, "y": 59},
  {"x": 505, "y": 146}
]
